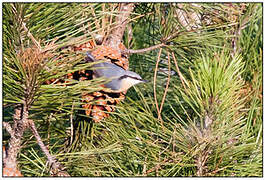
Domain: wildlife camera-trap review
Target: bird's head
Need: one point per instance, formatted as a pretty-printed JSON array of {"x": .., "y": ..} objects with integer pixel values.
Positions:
[{"x": 130, "y": 79}]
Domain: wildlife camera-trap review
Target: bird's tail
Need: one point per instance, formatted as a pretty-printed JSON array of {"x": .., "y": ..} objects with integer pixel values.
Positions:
[{"x": 90, "y": 57}]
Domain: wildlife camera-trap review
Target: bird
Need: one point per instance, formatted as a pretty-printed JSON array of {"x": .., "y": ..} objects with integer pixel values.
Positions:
[{"x": 120, "y": 80}]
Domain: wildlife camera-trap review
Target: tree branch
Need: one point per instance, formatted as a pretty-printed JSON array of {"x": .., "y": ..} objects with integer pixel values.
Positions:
[
  {"x": 37, "y": 44},
  {"x": 167, "y": 85},
  {"x": 179, "y": 73},
  {"x": 52, "y": 161},
  {"x": 132, "y": 51},
  {"x": 155, "y": 97},
  {"x": 16, "y": 133},
  {"x": 8, "y": 128},
  {"x": 115, "y": 37}
]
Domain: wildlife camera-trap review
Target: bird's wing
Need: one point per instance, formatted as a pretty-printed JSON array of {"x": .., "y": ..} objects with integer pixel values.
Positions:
[
  {"x": 90, "y": 57},
  {"x": 108, "y": 70}
]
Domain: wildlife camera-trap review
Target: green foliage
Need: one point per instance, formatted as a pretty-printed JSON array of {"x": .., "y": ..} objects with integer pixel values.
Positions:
[
  {"x": 211, "y": 127},
  {"x": 27, "y": 67}
]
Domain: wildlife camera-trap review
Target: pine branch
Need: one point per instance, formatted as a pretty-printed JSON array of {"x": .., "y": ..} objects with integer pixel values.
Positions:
[
  {"x": 116, "y": 35},
  {"x": 56, "y": 166},
  {"x": 8, "y": 128},
  {"x": 37, "y": 44},
  {"x": 179, "y": 73},
  {"x": 132, "y": 51},
  {"x": 167, "y": 84},
  {"x": 155, "y": 96},
  {"x": 20, "y": 119}
]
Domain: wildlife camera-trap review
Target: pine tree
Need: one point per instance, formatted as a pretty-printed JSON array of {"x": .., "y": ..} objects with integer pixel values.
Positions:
[{"x": 200, "y": 114}]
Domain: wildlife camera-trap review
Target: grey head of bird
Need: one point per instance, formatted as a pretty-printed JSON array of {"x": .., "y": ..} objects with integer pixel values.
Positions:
[
  {"x": 119, "y": 79},
  {"x": 130, "y": 79}
]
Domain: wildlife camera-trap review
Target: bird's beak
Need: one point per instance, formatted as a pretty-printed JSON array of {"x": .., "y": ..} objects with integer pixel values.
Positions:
[{"x": 145, "y": 81}]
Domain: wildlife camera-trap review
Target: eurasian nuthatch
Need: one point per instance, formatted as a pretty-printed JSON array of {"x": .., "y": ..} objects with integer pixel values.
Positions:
[{"x": 120, "y": 79}]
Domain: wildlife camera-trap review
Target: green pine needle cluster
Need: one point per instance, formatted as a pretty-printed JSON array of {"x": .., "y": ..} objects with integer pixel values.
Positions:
[{"x": 211, "y": 119}]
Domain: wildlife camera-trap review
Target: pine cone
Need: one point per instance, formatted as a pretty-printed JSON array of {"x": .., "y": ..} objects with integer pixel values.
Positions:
[{"x": 104, "y": 101}]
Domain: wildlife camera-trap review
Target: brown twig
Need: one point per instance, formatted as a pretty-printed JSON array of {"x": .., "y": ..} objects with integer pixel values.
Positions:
[
  {"x": 157, "y": 167},
  {"x": 31, "y": 36},
  {"x": 179, "y": 73},
  {"x": 172, "y": 36},
  {"x": 167, "y": 85},
  {"x": 51, "y": 159},
  {"x": 155, "y": 97},
  {"x": 132, "y": 51},
  {"x": 56, "y": 167}
]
